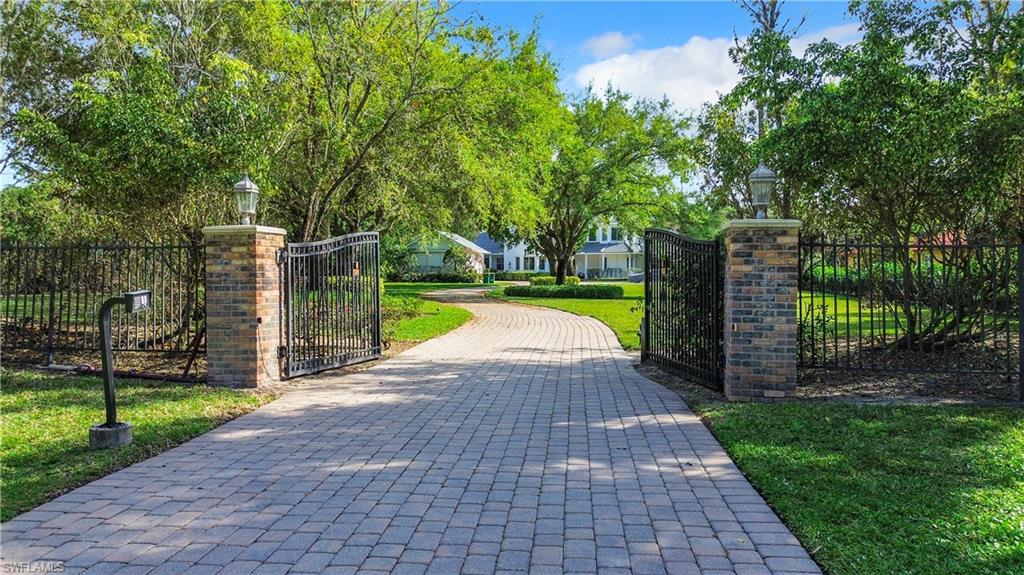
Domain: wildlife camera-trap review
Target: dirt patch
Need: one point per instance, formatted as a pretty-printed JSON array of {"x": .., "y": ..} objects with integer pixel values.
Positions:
[
  {"x": 693, "y": 393},
  {"x": 863, "y": 388},
  {"x": 126, "y": 363},
  {"x": 833, "y": 384}
]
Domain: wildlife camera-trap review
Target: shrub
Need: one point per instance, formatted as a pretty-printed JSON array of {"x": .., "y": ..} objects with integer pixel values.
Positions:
[
  {"x": 458, "y": 260},
  {"x": 550, "y": 280},
  {"x": 394, "y": 309},
  {"x": 436, "y": 277},
  {"x": 515, "y": 276},
  {"x": 587, "y": 291}
]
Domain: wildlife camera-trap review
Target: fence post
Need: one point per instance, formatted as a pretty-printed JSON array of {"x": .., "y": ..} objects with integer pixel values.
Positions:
[
  {"x": 1020, "y": 322},
  {"x": 761, "y": 298},
  {"x": 52, "y": 315},
  {"x": 243, "y": 291}
]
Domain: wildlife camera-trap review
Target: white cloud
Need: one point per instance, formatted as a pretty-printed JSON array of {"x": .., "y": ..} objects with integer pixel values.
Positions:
[
  {"x": 609, "y": 44},
  {"x": 843, "y": 34},
  {"x": 690, "y": 74}
]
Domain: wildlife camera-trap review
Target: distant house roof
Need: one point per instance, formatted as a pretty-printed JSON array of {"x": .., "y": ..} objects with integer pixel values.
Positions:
[
  {"x": 485, "y": 241},
  {"x": 432, "y": 245},
  {"x": 606, "y": 248},
  {"x": 456, "y": 238}
]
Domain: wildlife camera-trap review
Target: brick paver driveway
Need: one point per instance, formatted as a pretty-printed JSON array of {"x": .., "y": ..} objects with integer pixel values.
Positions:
[{"x": 521, "y": 442}]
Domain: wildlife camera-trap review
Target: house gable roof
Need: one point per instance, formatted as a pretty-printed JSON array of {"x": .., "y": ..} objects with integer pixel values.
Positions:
[
  {"x": 605, "y": 248},
  {"x": 457, "y": 239},
  {"x": 434, "y": 245},
  {"x": 484, "y": 240}
]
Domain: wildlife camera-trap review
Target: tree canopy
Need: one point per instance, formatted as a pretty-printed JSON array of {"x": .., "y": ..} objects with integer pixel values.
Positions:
[
  {"x": 135, "y": 118},
  {"x": 349, "y": 115},
  {"x": 912, "y": 131},
  {"x": 615, "y": 158}
]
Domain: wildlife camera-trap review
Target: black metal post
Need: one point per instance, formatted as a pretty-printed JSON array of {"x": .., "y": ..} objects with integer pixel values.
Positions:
[
  {"x": 53, "y": 296},
  {"x": 1020, "y": 321},
  {"x": 376, "y": 302},
  {"x": 108, "y": 359},
  {"x": 646, "y": 322}
]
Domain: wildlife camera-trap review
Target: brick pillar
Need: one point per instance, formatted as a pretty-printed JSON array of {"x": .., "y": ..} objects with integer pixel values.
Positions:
[
  {"x": 243, "y": 287},
  {"x": 761, "y": 297}
]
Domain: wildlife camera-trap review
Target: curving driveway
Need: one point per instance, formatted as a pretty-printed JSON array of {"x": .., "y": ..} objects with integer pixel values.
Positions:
[{"x": 523, "y": 441}]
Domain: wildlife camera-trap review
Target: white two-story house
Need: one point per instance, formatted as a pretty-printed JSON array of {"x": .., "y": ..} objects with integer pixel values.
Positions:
[{"x": 607, "y": 254}]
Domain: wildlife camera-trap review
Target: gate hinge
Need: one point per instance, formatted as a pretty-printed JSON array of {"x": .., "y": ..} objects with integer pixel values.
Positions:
[
  {"x": 282, "y": 254},
  {"x": 282, "y": 351}
]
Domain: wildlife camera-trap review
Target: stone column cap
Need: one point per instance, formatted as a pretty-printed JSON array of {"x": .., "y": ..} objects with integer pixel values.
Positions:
[
  {"x": 765, "y": 224},
  {"x": 242, "y": 230}
]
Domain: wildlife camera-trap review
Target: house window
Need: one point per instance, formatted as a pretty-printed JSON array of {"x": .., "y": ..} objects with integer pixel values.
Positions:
[
  {"x": 592, "y": 237},
  {"x": 517, "y": 263},
  {"x": 543, "y": 263},
  {"x": 604, "y": 235},
  {"x": 498, "y": 262},
  {"x": 616, "y": 235},
  {"x": 529, "y": 263}
]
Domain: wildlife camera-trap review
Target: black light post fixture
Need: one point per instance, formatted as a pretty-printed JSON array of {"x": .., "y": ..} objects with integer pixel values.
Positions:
[
  {"x": 762, "y": 185},
  {"x": 113, "y": 433},
  {"x": 246, "y": 195}
]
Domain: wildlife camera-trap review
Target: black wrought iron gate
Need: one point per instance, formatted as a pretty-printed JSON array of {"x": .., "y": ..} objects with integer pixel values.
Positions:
[
  {"x": 683, "y": 311},
  {"x": 331, "y": 303}
]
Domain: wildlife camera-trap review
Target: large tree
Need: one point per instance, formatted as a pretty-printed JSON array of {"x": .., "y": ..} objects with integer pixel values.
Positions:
[
  {"x": 349, "y": 115},
  {"x": 903, "y": 149},
  {"x": 732, "y": 130},
  {"x": 616, "y": 158},
  {"x": 407, "y": 119},
  {"x": 142, "y": 113}
]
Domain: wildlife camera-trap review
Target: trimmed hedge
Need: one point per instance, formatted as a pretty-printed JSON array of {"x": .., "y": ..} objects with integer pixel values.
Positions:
[
  {"x": 436, "y": 277},
  {"x": 550, "y": 280},
  {"x": 585, "y": 291},
  {"x": 515, "y": 276}
]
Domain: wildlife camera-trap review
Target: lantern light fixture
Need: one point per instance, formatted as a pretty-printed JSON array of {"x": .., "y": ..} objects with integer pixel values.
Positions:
[
  {"x": 762, "y": 185},
  {"x": 246, "y": 195}
]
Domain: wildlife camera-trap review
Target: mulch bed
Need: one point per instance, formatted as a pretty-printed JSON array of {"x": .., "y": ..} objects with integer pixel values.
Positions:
[
  {"x": 910, "y": 387},
  {"x": 835, "y": 385}
]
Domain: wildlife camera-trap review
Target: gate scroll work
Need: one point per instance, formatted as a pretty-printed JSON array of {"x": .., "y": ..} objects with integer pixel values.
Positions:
[
  {"x": 330, "y": 303},
  {"x": 683, "y": 305}
]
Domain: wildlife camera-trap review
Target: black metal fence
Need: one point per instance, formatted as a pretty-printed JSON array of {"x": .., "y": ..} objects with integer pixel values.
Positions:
[
  {"x": 930, "y": 308},
  {"x": 50, "y": 296},
  {"x": 331, "y": 303},
  {"x": 683, "y": 301}
]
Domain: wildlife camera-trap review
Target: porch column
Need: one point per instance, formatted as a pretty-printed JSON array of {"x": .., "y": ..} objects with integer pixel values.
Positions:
[
  {"x": 243, "y": 298},
  {"x": 761, "y": 299}
]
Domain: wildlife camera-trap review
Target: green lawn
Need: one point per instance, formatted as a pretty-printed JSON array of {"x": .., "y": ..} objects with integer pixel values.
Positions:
[
  {"x": 859, "y": 318},
  {"x": 44, "y": 448},
  {"x": 887, "y": 489},
  {"x": 617, "y": 314},
  {"x": 419, "y": 319}
]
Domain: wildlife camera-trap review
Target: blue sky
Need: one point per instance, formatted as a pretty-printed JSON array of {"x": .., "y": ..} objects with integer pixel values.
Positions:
[{"x": 652, "y": 48}]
